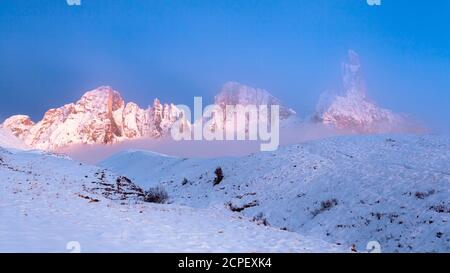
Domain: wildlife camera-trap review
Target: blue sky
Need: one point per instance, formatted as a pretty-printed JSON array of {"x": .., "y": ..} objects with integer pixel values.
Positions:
[{"x": 50, "y": 53}]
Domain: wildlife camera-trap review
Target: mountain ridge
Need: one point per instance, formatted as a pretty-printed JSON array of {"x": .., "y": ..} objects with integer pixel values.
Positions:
[{"x": 100, "y": 116}]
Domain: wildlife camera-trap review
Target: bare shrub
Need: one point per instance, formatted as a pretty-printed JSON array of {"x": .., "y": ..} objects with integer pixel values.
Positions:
[
  {"x": 156, "y": 195},
  {"x": 324, "y": 206},
  {"x": 219, "y": 176},
  {"x": 260, "y": 219},
  {"x": 423, "y": 195},
  {"x": 185, "y": 181}
]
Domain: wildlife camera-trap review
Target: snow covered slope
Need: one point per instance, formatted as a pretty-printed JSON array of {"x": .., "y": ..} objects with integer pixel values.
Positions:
[
  {"x": 8, "y": 140},
  {"x": 346, "y": 190},
  {"x": 49, "y": 203}
]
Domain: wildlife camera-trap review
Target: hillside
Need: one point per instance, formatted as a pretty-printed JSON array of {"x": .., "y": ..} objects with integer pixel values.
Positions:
[
  {"x": 344, "y": 190},
  {"x": 49, "y": 203}
]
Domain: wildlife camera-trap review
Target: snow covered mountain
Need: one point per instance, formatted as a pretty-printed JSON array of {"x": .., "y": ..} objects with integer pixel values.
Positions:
[
  {"x": 352, "y": 110},
  {"x": 99, "y": 117},
  {"x": 49, "y": 203},
  {"x": 234, "y": 93},
  {"x": 343, "y": 190}
]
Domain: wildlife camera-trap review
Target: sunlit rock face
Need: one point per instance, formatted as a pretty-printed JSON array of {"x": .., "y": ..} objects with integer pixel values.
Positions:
[
  {"x": 18, "y": 125},
  {"x": 351, "y": 110},
  {"x": 101, "y": 116}
]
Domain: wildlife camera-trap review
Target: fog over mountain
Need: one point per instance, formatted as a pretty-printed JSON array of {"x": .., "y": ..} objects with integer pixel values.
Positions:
[
  {"x": 352, "y": 110},
  {"x": 102, "y": 117}
]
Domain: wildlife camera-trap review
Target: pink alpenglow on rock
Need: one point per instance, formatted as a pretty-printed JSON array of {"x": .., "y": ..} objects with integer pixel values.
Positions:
[
  {"x": 354, "y": 112},
  {"x": 101, "y": 116}
]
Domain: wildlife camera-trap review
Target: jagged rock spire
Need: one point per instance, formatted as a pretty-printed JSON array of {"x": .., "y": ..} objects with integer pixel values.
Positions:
[
  {"x": 352, "y": 77},
  {"x": 352, "y": 111}
]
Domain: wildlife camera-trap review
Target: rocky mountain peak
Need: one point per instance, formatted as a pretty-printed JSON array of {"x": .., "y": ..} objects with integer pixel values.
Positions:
[
  {"x": 103, "y": 99},
  {"x": 99, "y": 117},
  {"x": 350, "y": 110},
  {"x": 18, "y": 125},
  {"x": 233, "y": 93}
]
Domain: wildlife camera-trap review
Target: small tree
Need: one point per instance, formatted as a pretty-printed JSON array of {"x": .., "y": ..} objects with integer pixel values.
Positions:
[{"x": 219, "y": 176}]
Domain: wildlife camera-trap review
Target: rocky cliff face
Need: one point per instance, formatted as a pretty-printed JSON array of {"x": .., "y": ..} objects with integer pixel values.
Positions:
[
  {"x": 18, "y": 125},
  {"x": 99, "y": 117}
]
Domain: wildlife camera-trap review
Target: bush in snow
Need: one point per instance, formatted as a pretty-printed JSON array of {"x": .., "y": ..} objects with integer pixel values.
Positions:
[
  {"x": 441, "y": 208},
  {"x": 423, "y": 195},
  {"x": 156, "y": 195},
  {"x": 185, "y": 181},
  {"x": 219, "y": 176},
  {"x": 260, "y": 219},
  {"x": 236, "y": 208},
  {"x": 324, "y": 206}
]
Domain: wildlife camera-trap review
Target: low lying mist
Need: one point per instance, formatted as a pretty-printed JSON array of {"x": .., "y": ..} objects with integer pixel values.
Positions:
[{"x": 93, "y": 154}]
